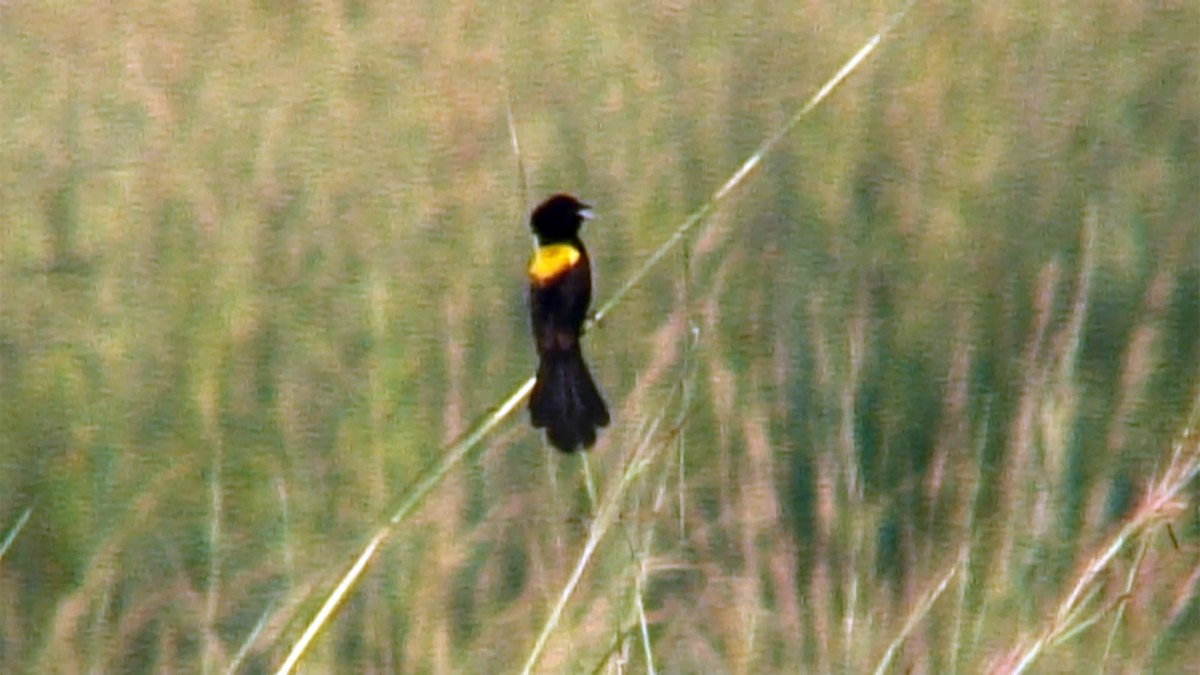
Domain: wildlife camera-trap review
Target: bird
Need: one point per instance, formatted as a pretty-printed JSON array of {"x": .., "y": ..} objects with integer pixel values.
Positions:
[{"x": 565, "y": 400}]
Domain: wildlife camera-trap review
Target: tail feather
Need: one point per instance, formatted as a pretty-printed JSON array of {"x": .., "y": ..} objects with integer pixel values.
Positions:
[{"x": 566, "y": 402}]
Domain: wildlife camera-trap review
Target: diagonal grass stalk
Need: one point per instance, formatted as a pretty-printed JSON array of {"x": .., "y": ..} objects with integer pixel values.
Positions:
[
  {"x": 14, "y": 531},
  {"x": 1161, "y": 503},
  {"x": 605, "y": 517}
]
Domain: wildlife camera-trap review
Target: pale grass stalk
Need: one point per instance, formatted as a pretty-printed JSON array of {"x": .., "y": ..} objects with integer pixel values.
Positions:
[
  {"x": 685, "y": 391},
  {"x": 414, "y": 498},
  {"x": 600, "y": 526},
  {"x": 1022, "y": 463},
  {"x": 333, "y": 601},
  {"x": 14, "y": 531},
  {"x": 673, "y": 333},
  {"x": 589, "y": 483},
  {"x": 285, "y": 521},
  {"x": 850, "y": 489},
  {"x": 515, "y": 139},
  {"x": 1059, "y": 403},
  {"x": 1163, "y": 501},
  {"x": 643, "y": 458},
  {"x": 751, "y": 163},
  {"x": 213, "y": 594},
  {"x": 959, "y": 608},
  {"x": 235, "y": 663},
  {"x": 643, "y": 624},
  {"x": 619, "y": 645},
  {"x": 1122, "y": 602},
  {"x": 965, "y": 555},
  {"x": 918, "y": 613}
]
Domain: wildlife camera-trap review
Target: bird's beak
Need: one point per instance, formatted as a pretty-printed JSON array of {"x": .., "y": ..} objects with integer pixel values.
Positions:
[{"x": 587, "y": 213}]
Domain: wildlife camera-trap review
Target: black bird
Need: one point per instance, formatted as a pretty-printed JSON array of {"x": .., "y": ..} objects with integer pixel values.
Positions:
[{"x": 565, "y": 400}]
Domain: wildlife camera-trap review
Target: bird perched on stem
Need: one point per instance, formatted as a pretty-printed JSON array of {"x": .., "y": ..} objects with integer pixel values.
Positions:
[{"x": 565, "y": 400}]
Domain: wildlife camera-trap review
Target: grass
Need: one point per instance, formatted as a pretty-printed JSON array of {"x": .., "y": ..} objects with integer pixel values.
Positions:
[{"x": 919, "y": 395}]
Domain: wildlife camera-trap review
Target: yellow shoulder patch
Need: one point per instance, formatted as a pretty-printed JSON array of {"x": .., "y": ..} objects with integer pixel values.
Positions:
[{"x": 551, "y": 261}]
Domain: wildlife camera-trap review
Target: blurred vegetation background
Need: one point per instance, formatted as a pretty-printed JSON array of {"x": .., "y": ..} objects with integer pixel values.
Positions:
[{"x": 897, "y": 397}]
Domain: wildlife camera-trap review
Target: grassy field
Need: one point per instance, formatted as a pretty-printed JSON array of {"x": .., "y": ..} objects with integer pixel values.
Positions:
[{"x": 919, "y": 394}]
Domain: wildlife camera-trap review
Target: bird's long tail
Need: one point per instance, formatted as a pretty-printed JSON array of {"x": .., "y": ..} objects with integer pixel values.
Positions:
[{"x": 566, "y": 402}]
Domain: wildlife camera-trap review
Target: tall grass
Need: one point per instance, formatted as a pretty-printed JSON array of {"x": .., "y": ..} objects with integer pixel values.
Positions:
[{"x": 921, "y": 395}]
